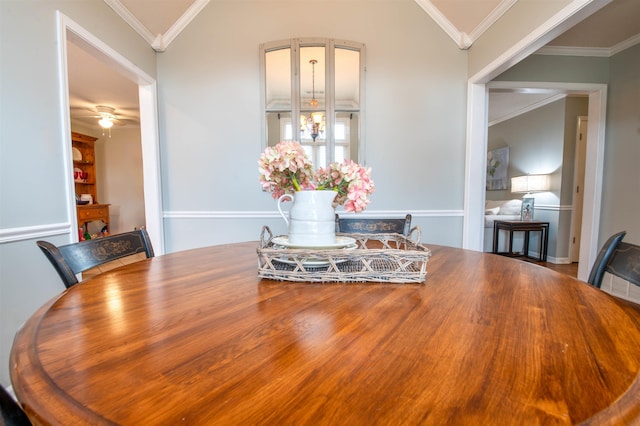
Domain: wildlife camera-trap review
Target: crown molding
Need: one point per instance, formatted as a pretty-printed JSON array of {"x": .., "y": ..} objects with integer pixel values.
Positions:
[
  {"x": 462, "y": 39},
  {"x": 602, "y": 52},
  {"x": 130, "y": 19},
  {"x": 182, "y": 22},
  {"x": 527, "y": 109},
  {"x": 491, "y": 19},
  {"x": 158, "y": 42},
  {"x": 630, "y": 42}
]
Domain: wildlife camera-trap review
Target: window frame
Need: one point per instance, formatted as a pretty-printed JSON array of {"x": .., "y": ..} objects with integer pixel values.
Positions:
[{"x": 330, "y": 46}]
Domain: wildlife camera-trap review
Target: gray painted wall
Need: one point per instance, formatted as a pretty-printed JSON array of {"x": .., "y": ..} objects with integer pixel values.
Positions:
[
  {"x": 33, "y": 194},
  {"x": 622, "y": 148},
  {"x": 209, "y": 92},
  {"x": 621, "y": 192},
  {"x": 543, "y": 142}
]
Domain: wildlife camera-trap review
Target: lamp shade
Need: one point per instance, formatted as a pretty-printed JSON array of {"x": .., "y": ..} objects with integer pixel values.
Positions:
[{"x": 530, "y": 183}]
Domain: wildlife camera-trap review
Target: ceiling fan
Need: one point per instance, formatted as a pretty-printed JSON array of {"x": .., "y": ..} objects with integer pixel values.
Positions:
[{"x": 106, "y": 116}]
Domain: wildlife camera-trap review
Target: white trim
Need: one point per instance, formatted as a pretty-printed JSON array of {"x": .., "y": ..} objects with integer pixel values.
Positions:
[
  {"x": 603, "y": 52},
  {"x": 461, "y": 39},
  {"x": 131, "y": 19},
  {"x": 491, "y": 19},
  {"x": 159, "y": 42},
  {"x": 70, "y": 30},
  {"x": 475, "y": 167},
  {"x": 566, "y": 18},
  {"x": 65, "y": 119},
  {"x": 527, "y": 109},
  {"x": 152, "y": 175},
  {"x": 274, "y": 213},
  {"x": 556, "y": 260},
  {"x": 594, "y": 175},
  {"x": 553, "y": 208},
  {"x": 630, "y": 42},
  {"x": 11, "y": 235},
  {"x": 182, "y": 22}
]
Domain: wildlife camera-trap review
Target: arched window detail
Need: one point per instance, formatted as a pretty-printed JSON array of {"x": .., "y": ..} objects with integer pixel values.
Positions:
[{"x": 312, "y": 93}]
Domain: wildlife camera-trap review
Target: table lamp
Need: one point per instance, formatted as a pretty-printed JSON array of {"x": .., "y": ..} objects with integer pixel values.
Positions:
[{"x": 527, "y": 184}]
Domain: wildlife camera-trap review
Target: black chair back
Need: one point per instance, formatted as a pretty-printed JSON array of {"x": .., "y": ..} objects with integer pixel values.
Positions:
[
  {"x": 604, "y": 256},
  {"x": 358, "y": 225},
  {"x": 11, "y": 413},
  {"x": 625, "y": 263},
  {"x": 72, "y": 259}
]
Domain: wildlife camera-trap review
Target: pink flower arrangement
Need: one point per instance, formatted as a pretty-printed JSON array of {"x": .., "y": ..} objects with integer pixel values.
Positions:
[{"x": 285, "y": 168}]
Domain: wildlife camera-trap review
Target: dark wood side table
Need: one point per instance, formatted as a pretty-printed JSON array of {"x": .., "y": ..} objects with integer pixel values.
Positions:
[{"x": 512, "y": 226}]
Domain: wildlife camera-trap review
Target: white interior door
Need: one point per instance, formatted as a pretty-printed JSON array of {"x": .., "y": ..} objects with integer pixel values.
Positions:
[{"x": 578, "y": 189}]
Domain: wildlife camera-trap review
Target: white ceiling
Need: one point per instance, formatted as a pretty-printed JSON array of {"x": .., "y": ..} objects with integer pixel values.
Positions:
[{"x": 91, "y": 83}]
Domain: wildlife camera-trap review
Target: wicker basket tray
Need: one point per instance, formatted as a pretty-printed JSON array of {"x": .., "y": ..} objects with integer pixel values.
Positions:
[{"x": 395, "y": 259}]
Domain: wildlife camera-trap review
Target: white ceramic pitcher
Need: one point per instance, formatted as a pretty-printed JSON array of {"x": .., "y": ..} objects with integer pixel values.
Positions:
[{"x": 311, "y": 219}]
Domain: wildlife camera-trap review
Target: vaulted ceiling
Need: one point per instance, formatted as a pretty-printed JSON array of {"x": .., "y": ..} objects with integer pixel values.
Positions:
[{"x": 611, "y": 29}]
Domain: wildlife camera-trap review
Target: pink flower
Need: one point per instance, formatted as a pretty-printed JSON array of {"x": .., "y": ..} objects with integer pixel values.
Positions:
[{"x": 285, "y": 168}]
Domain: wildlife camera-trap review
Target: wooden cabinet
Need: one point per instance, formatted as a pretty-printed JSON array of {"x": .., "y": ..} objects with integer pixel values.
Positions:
[
  {"x": 84, "y": 162},
  {"x": 85, "y": 178}
]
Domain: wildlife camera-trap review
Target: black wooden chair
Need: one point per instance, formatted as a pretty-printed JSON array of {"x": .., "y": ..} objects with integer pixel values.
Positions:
[
  {"x": 603, "y": 259},
  {"x": 11, "y": 413},
  {"x": 356, "y": 225},
  {"x": 72, "y": 259},
  {"x": 625, "y": 263}
]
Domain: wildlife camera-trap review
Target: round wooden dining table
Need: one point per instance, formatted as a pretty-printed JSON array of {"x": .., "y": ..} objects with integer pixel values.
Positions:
[{"x": 196, "y": 338}]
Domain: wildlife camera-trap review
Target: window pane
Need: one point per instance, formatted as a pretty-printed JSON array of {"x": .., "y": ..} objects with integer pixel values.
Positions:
[
  {"x": 347, "y": 77},
  {"x": 278, "y": 127},
  {"x": 347, "y": 135},
  {"x": 312, "y": 81},
  {"x": 278, "y": 79}
]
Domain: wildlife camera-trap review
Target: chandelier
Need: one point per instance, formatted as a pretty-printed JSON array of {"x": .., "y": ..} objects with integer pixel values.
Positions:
[{"x": 314, "y": 124}]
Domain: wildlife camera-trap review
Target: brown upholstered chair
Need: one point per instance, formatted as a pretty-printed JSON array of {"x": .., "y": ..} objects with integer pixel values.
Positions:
[{"x": 72, "y": 259}]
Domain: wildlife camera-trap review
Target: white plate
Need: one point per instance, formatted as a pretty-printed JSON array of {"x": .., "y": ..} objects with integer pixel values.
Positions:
[
  {"x": 341, "y": 242},
  {"x": 316, "y": 262},
  {"x": 77, "y": 155}
]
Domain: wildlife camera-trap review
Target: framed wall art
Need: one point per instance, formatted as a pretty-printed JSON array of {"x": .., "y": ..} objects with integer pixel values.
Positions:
[{"x": 497, "y": 164}]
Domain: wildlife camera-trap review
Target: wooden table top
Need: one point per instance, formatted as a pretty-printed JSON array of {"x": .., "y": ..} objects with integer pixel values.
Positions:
[{"x": 196, "y": 337}]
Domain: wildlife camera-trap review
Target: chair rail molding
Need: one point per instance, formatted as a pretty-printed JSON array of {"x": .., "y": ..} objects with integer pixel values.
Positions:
[
  {"x": 10, "y": 235},
  {"x": 271, "y": 214}
]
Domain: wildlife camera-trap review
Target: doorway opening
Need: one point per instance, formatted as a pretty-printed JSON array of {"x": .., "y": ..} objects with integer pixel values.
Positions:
[
  {"x": 594, "y": 162},
  {"x": 70, "y": 31}
]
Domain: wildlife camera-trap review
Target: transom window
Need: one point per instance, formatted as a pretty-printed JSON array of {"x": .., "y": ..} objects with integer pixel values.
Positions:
[{"x": 312, "y": 94}]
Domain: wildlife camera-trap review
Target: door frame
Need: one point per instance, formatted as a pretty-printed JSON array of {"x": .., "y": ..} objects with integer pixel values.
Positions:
[
  {"x": 69, "y": 30},
  {"x": 476, "y": 161}
]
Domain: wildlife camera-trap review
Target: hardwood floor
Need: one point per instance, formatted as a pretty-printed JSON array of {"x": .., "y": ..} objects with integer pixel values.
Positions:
[{"x": 569, "y": 269}]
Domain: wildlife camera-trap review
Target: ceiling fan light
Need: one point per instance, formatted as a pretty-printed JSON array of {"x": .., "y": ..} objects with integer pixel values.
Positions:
[{"x": 105, "y": 122}]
